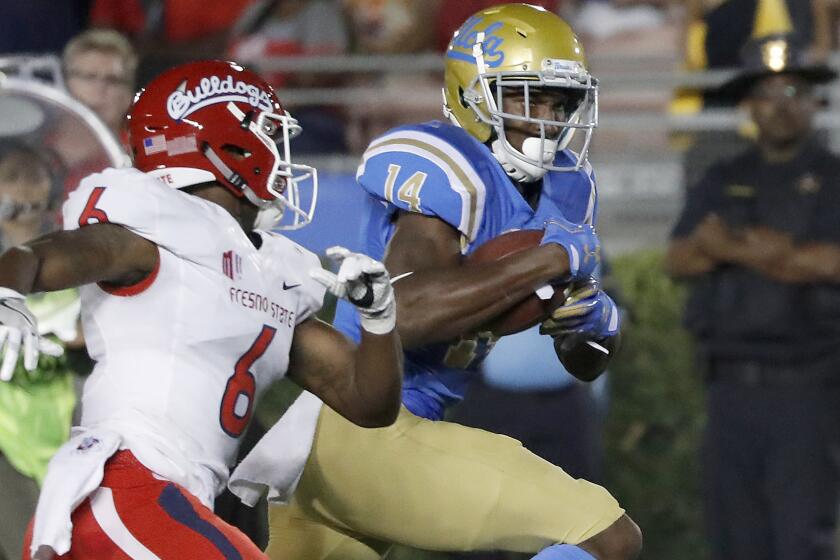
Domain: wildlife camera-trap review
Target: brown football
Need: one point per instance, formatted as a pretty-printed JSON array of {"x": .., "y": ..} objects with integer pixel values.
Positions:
[{"x": 531, "y": 310}]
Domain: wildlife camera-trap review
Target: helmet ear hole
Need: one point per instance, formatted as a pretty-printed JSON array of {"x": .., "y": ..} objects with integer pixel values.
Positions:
[
  {"x": 237, "y": 152},
  {"x": 461, "y": 99}
]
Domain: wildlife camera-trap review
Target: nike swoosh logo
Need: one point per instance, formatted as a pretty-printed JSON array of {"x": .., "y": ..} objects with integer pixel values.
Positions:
[{"x": 289, "y": 286}]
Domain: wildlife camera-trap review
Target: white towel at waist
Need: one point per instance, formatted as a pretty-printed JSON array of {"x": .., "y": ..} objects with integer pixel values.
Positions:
[
  {"x": 75, "y": 471},
  {"x": 276, "y": 463}
]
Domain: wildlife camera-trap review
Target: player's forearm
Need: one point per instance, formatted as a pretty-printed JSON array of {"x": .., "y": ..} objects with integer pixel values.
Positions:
[
  {"x": 97, "y": 253},
  {"x": 810, "y": 263},
  {"x": 51, "y": 262},
  {"x": 378, "y": 379},
  {"x": 684, "y": 259},
  {"x": 19, "y": 268},
  {"x": 437, "y": 305}
]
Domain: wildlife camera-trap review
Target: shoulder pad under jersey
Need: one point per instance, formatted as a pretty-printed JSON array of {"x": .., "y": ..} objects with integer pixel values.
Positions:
[
  {"x": 296, "y": 261},
  {"x": 148, "y": 207},
  {"x": 434, "y": 169},
  {"x": 575, "y": 192}
]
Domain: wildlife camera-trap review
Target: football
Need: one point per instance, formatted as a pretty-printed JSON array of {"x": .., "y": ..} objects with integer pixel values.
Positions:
[{"x": 530, "y": 311}]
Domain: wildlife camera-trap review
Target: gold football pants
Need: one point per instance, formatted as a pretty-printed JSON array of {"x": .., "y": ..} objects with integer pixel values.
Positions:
[{"x": 430, "y": 485}]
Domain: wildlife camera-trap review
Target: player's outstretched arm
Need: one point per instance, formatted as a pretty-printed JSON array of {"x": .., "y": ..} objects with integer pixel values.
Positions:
[
  {"x": 440, "y": 299},
  {"x": 67, "y": 259},
  {"x": 362, "y": 383},
  {"x": 101, "y": 252}
]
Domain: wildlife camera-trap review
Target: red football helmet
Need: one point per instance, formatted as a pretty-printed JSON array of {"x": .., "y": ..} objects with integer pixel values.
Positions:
[{"x": 215, "y": 121}]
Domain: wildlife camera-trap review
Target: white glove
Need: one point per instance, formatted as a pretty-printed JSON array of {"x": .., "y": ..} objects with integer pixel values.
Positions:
[
  {"x": 365, "y": 283},
  {"x": 18, "y": 326}
]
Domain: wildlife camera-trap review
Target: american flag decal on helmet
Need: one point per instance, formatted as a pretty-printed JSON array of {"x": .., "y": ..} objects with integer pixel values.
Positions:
[{"x": 232, "y": 265}]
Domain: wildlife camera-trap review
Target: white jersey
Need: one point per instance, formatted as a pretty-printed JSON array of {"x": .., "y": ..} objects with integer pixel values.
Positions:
[{"x": 182, "y": 356}]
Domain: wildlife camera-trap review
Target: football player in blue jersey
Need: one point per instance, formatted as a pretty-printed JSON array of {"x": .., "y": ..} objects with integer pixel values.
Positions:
[{"x": 517, "y": 89}]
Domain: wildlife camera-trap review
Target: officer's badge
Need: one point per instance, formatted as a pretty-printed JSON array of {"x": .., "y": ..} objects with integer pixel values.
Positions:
[
  {"x": 775, "y": 55},
  {"x": 808, "y": 184}
]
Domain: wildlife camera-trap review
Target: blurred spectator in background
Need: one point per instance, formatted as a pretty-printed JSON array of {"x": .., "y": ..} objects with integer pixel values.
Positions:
[
  {"x": 826, "y": 17},
  {"x": 40, "y": 26},
  {"x": 715, "y": 32},
  {"x": 35, "y": 407},
  {"x": 760, "y": 239},
  {"x": 392, "y": 27},
  {"x": 25, "y": 194},
  {"x": 600, "y": 19},
  {"x": 452, "y": 14},
  {"x": 169, "y": 32},
  {"x": 280, "y": 28},
  {"x": 99, "y": 68}
]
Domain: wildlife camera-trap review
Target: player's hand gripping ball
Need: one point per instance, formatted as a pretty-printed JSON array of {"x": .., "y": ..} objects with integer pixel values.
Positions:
[{"x": 533, "y": 309}]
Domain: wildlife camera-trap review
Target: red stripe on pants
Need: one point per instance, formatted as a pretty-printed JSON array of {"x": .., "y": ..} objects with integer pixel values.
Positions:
[{"x": 136, "y": 491}]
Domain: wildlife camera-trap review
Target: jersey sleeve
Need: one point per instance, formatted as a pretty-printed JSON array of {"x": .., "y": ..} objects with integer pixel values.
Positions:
[
  {"x": 416, "y": 171},
  {"x": 296, "y": 262},
  {"x": 313, "y": 292},
  {"x": 575, "y": 193},
  {"x": 145, "y": 206},
  {"x": 591, "y": 197}
]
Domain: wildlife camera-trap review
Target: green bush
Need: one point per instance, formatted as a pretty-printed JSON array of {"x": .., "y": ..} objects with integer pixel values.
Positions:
[{"x": 656, "y": 414}]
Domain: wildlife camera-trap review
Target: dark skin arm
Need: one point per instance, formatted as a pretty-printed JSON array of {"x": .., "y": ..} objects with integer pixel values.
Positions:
[
  {"x": 685, "y": 259},
  {"x": 709, "y": 245},
  {"x": 442, "y": 299},
  {"x": 765, "y": 250},
  {"x": 779, "y": 257},
  {"x": 362, "y": 383},
  {"x": 68, "y": 259}
]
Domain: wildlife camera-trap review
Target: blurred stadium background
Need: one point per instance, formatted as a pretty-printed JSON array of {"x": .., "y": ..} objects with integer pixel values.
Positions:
[{"x": 647, "y": 148}]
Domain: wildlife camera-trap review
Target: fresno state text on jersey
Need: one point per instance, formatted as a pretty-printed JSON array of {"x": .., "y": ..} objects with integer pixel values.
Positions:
[{"x": 219, "y": 333}]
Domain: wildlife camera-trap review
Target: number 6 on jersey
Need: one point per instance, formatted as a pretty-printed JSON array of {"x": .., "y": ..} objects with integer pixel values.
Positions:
[{"x": 238, "y": 400}]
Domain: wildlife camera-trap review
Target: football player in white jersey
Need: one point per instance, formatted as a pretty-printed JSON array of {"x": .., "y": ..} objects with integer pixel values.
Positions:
[{"x": 190, "y": 313}]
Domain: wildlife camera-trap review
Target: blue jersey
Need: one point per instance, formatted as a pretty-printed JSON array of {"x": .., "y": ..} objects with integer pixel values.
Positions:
[{"x": 439, "y": 170}]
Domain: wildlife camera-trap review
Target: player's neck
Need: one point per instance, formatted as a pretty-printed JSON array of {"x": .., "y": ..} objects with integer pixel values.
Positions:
[
  {"x": 242, "y": 211},
  {"x": 530, "y": 192}
]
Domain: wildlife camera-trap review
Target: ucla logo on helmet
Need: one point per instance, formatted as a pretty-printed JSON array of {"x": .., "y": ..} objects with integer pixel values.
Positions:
[
  {"x": 464, "y": 40},
  {"x": 182, "y": 102}
]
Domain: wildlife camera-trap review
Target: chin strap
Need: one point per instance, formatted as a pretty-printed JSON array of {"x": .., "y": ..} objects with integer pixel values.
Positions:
[{"x": 520, "y": 166}]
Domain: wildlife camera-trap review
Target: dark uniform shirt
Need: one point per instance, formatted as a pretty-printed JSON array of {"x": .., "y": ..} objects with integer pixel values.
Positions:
[{"x": 737, "y": 313}]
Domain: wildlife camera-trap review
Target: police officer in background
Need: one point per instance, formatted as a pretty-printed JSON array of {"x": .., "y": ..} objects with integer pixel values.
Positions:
[{"x": 759, "y": 238}]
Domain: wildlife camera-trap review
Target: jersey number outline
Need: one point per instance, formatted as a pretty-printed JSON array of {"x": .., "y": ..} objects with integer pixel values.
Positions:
[
  {"x": 243, "y": 384},
  {"x": 409, "y": 191},
  {"x": 462, "y": 353},
  {"x": 91, "y": 212}
]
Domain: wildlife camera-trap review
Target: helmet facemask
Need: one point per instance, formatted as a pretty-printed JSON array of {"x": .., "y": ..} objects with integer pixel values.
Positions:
[
  {"x": 285, "y": 178},
  {"x": 485, "y": 97}
]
